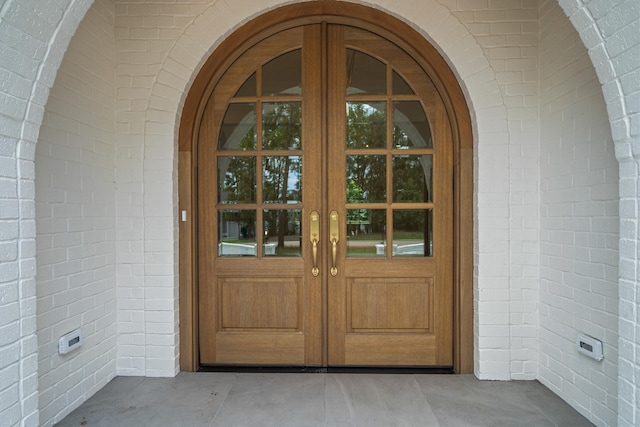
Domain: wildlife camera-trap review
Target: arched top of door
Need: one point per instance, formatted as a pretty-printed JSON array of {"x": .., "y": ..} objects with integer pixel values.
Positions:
[{"x": 330, "y": 11}]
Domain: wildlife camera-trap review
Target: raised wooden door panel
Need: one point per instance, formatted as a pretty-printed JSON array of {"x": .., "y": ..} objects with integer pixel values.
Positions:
[
  {"x": 259, "y": 303},
  {"x": 380, "y": 305},
  {"x": 260, "y": 316},
  {"x": 257, "y": 162},
  {"x": 390, "y": 174}
]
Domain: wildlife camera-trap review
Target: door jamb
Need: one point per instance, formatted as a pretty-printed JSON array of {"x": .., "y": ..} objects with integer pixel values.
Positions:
[{"x": 444, "y": 79}]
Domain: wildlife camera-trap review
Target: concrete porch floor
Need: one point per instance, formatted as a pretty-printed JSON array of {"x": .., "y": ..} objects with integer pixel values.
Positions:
[{"x": 305, "y": 399}]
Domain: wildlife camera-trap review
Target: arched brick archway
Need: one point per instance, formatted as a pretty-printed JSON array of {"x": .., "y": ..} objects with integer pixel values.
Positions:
[
  {"x": 31, "y": 77},
  {"x": 292, "y": 16},
  {"x": 453, "y": 40},
  {"x": 612, "y": 42}
]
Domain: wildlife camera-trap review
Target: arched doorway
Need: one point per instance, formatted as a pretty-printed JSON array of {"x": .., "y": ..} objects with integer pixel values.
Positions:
[{"x": 325, "y": 174}]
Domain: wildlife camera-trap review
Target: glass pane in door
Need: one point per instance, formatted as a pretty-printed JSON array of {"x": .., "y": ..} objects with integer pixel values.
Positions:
[
  {"x": 236, "y": 179},
  {"x": 412, "y": 232},
  {"x": 366, "y": 179},
  {"x": 365, "y": 74},
  {"x": 366, "y": 125},
  {"x": 281, "y": 125},
  {"x": 248, "y": 88},
  {"x": 236, "y": 233},
  {"x": 412, "y": 178},
  {"x": 282, "y": 179},
  {"x": 238, "y": 128},
  {"x": 400, "y": 86},
  {"x": 282, "y": 232},
  {"x": 410, "y": 125},
  {"x": 366, "y": 232},
  {"x": 283, "y": 75}
]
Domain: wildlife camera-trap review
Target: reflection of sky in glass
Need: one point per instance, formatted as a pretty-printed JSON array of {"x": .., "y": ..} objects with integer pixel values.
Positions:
[
  {"x": 292, "y": 184},
  {"x": 282, "y": 174},
  {"x": 367, "y": 108}
]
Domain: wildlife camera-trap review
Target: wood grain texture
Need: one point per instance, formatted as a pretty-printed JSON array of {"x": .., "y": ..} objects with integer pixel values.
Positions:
[
  {"x": 389, "y": 304},
  {"x": 187, "y": 288},
  {"x": 247, "y": 348},
  {"x": 374, "y": 300},
  {"x": 259, "y": 303}
]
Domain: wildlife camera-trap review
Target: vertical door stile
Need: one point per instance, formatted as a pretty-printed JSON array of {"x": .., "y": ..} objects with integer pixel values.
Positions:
[
  {"x": 324, "y": 180},
  {"x": 336, "y": 132},
  {"x": 206, "y": 244},
  {"x": 312, "y": 198}
]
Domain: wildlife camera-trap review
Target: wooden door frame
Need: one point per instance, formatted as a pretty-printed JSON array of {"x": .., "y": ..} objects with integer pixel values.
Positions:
[{"x": 443, "y": 77}]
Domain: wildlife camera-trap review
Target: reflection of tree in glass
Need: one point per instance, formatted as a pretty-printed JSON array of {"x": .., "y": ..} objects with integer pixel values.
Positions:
[
  {"x": 368, "y": 173},
  {"x": 281, "y": 124},
  {"x": 282, "y": 184},
  {"x": 366, "y": 125},
  {"x": 239, "y": 185},
  {"x": 273, "y": 224},
  {"x": 354, "y": 192},
  {"x": 408, "y": 179},
  {"x": 409, "y": 220},
  {"x": 409, "y": 185},
  {"x": 240, "y": 180},
  {"x": 282, "y": 178},
  {"x": 355, "y": 216},
  {"x": 240, "y": 174},
  {"x": 281, "y": 130},
  {"x": 366, "y": 182}
]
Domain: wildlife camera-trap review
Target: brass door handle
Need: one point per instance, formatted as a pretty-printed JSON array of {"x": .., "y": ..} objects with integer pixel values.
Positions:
[
  {"x": 314, "y": 225},
  {"x": 334, "y": 251},
  {"x": 334, "y": 238},
  {"x": 315, "y": 270}
]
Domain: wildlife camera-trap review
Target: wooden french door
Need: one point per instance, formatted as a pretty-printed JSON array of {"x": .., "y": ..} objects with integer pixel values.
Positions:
[{"x": 325, "y": 188}]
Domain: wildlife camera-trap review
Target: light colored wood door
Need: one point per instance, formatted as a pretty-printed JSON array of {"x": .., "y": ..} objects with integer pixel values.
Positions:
[
  {"x": 374, "y": 147},
  {"x": 390, "y": 303},
  {"x": 258, "y": 184}
]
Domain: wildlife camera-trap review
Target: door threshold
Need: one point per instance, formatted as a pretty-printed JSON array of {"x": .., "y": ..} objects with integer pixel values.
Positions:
[{"x": 433, "y": 370}]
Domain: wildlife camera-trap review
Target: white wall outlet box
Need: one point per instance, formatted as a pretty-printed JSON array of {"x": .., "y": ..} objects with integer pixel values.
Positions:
[
  {"x": 70, "y": 341},
  {"x": 589, "y": 346}
]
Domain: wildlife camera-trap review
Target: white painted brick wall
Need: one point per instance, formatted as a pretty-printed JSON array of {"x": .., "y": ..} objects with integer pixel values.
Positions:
[
  {"x": 478, "y": 39},
  {"x": 579, "y": 224},
  {"x": 76, "y": 220},
  {"x": 610, "y": 33},
  {"x": 507, "y": 187},
  {"x": 146, "y": 173},
  {"x": 32, "y": 40}
]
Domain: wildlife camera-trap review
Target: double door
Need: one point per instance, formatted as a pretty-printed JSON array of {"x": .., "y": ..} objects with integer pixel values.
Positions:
[{"x": 325, "y": 206}]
